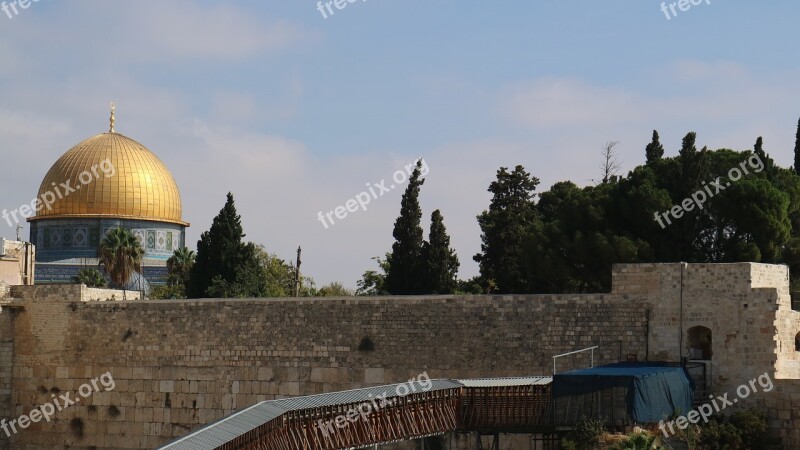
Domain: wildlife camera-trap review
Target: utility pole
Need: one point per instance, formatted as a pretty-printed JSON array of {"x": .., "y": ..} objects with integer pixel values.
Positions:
[{"x": 297, "y": 274}]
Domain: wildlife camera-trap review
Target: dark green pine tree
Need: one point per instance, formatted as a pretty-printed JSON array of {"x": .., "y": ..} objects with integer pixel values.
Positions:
[
  {"x": 758, "y": 149},
  {"x": 688, "y": 148},
  {"x": 797, "y": 150},
  {"x": 219, "y": 252},
  {"x": 406, "y": 266},
  {"x": 693, "y": 170},
  {"x": 654, "y": 150},
  {"x": 441, "y": 260},
  {"x": 503, "y": 230}
]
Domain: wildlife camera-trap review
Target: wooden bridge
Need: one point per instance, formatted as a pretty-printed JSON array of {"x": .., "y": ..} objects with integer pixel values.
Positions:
[{"x": 378, "y": 415}]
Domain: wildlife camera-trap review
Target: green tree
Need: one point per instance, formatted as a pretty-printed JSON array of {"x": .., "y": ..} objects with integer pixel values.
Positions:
[
  {"x": 334, "y": 289},
  {"x": 473, "y": 286},
  {"x": 222, "y": 258},
  {"x": 406, "y": 266},
  {"x": 654, "y": 150},
  {"x": 441, "y": 260},
  {"x": 373, "y": 282},
  {"x": 511, "y": 212},
  {"x": 797, "y": 150},
  {"x": 248, "y": 279},
  {"x": 120, "y": 254},
  {"x": 279, "y": 275},
  {"x": 90, "y": 277},
  {"x": 581, "y": 232},
  {"x": 179, "y": 267},
  {"x": 758, "y": 149},
  {"x": 572, "y": 245}
]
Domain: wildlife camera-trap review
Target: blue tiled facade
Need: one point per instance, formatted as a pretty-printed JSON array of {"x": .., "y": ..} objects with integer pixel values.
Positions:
[{"x": 64, "y": 246}]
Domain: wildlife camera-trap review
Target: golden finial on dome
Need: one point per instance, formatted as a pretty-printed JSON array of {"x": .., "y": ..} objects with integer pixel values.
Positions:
[{"x": 113, "y": 107}]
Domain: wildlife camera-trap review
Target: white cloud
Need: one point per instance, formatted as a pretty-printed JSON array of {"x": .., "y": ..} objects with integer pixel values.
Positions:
[{"x": 549, "y": 102}]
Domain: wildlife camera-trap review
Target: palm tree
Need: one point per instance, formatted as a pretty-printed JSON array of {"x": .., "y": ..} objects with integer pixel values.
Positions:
[
  {"x": 179, "y": 265},
  {"x": 121, "y": 255}
]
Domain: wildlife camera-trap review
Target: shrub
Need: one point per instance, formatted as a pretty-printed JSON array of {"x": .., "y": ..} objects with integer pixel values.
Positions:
[
  {"x": 636, "y": 441},
  {"x": 752, "y": 424},
  {"x": 586, "y": 434},
  {"x": 568, "y": 444},
  {"x": 741, "y": 431},
  {"x": 720, "y": 435}
]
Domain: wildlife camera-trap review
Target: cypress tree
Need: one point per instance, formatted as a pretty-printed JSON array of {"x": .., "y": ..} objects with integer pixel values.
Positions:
[
  {"x": 441, "y": 260},
  {"x": 758, "y": 149},
  {"x": 406, "y": 266},
  {"x": 654, "y": 150},
  {"x": 797, "y": 150},
  {"x": 688, "y": 149},
  {"x": 219, "y": 251}
]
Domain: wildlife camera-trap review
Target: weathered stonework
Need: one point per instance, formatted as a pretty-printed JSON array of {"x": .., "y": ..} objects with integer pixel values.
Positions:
[{"x": 179, "y": 364}]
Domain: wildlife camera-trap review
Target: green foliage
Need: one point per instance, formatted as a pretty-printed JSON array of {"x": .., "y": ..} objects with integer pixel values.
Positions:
[
  {"x": 261, "y": 275},
  {"x": 718, "y": 435},
  {"x": 575, "y": 234},
  {"x": 743, "y": 430},
  {"x": 406, "y": 264},
  {"x": 637, "y": 441},
  {"x": 222, "y": 257},
  {"x": 334, "y": 289},
  {"x": 586, "y": 433},
  {"x": 568, "y": 444},
  {"x": 473, "y": 286},
  {"x": 373, "y": 282},
  {"x": 797, "y": 150},
  {"x": 503, "y": 229},
  {"x": 752, "y": 424},
  {"x": 179, "y": 267},
  {"x": 654, "y": 150},
  {"x": 167, "y": 292},
  {"x": 90, "y": 277},
  {"x": 278, "y": 275},
  {"x": 441, "y": 262},
  {"x": 414, "y": 266},
  {"x": 227, "y": 267},
  {"x": 120, "y": 254}
]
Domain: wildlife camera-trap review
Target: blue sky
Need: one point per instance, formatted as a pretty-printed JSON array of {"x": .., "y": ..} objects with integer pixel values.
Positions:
[{"x": 295, "y": 113}]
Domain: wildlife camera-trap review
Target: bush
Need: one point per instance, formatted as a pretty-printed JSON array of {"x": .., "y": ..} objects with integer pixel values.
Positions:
[
  {"x": 568, "y": 444},
  {"x": 752, "y": 425},
  {"x": 744, "y": 430},
  {"x": 636, "y": 441},
  {"x": 720, "y": 435},
  {"x": 585, "y": 435}
]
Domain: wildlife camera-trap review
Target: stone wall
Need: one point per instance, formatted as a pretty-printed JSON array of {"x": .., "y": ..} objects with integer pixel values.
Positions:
[
  {"x": 6, "y": 364},
  {"x": 178, "y": 364},
  {"x": 746, "y": 307}
]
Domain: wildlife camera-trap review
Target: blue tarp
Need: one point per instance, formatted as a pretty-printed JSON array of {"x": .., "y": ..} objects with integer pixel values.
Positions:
[{"x": 654, "y": 391}]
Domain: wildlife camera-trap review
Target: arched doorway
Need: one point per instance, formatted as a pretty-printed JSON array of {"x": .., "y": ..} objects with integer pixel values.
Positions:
[{"x": 699, "y": 343}]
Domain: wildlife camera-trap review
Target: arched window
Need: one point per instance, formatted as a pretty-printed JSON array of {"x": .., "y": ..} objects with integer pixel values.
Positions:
[
  {"x": 797, "y": 342},
  {"x": 699, "y": 343}
]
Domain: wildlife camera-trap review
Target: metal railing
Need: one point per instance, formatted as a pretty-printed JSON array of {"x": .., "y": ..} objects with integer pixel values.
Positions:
[{"x": 591, "y": 353}]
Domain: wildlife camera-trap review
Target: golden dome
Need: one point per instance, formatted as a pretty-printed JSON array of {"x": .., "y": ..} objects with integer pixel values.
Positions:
[{"x": 110, "y": 176}]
